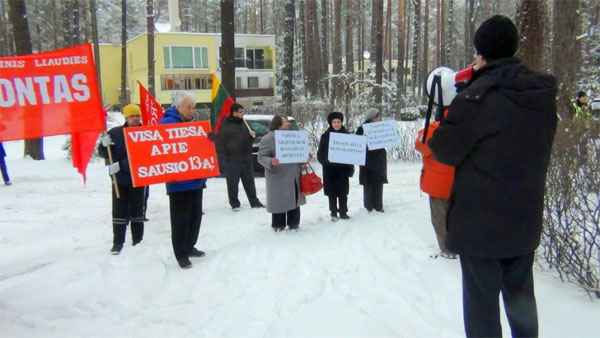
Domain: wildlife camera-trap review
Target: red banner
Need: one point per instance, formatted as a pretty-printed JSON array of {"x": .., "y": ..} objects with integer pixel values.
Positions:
[
  {"x": 50, "y": 93},
  {"x": 170, "y": 152},
  {"x": 152, "y": 111}
]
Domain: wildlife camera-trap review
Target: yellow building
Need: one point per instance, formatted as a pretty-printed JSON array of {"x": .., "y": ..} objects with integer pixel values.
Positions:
[{"x": 185, "y": 61}]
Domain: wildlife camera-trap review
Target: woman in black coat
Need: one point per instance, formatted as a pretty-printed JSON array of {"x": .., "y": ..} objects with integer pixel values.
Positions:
[
  {"x": 373, "y": 175},
  {"x": 335, "y": 175}
]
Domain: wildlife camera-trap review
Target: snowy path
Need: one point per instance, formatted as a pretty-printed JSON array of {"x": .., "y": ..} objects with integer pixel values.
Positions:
[{"x": 370, "y": 276}]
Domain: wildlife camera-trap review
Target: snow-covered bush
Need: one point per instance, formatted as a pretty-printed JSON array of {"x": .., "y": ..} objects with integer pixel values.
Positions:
[
  {"x": 571, "y": 233},
  {"x": 113, "y": 119}
]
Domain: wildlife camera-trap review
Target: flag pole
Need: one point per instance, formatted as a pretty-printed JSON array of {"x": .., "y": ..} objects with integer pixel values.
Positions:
[
  {"x": 97, "y": 64},
  {"x": 247, "y": 126}
]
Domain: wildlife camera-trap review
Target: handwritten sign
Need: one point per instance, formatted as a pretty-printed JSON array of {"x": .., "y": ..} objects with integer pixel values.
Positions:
[
  {"x": 170, "y": 152},
  {"x": 381, "y": 134},
  {"x": 348, "y": 149},
  {"x": 291, "y": 146}
]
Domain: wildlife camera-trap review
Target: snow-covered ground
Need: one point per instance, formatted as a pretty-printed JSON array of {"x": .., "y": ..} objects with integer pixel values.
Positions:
[{"x": 370, "y": 276}]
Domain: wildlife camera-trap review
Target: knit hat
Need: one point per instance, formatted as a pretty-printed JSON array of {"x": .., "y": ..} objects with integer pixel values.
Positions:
[
  {"x": 333, "y": 116},
  {"x": 131, "y": 109},
  {"x": 581, "y": 94},
  {"x": 371, "y": 114},
  {"x": 496, "y": 38}
]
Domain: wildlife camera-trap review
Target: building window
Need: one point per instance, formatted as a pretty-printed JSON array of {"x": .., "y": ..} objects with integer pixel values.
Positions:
[
  {"x": 252, "y": 82},
  {"x": 186, "y": 82},
  {"x": 240, "y": 59},
  {"x": 238, "y": 82},
  {"x": 181, "y": 57},
  {"x": 255, "y": 58}
]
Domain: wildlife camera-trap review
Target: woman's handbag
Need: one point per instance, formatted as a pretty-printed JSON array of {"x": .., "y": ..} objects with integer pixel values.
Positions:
[{"x": 310, "y": 183}]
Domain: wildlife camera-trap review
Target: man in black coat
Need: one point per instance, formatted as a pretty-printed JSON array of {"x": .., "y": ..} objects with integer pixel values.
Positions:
[
  {"x": 234, "y": 146},
  {"x": 498, "y": 135},
  {"x": 129, "y": 206}
]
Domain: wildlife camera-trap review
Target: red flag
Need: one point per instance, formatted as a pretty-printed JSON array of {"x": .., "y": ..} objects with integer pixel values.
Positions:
[
  {"x": 52, "y": 93},
  {"x": 82, "y": 148},
  {"x": 152, "y": 111},
  {"x": 221, "y": 103}
]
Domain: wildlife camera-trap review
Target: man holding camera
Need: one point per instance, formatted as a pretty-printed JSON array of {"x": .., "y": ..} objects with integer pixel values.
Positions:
[{"x": 498, "y": 136}]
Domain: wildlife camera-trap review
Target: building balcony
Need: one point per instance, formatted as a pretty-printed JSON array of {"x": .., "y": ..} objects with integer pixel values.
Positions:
[
  {"x": 254, "y": 64},
  {"x": 253, "y": 92}
]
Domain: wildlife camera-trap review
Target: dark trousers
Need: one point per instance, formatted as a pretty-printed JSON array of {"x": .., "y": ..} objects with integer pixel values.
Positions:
[
  {"x": 483, "y": 280},
  {"x": 4, "y": 170},
  {"x": 233, "y": 173},
  {"x": 373, "y": 196},
  {"x": 186, "y": 216},
  {"x": 343, "y": 204},
  {"x": 146, "y": 195},
  {"x": 291, "y": 218},
  {"x": 128, "y": 207}
]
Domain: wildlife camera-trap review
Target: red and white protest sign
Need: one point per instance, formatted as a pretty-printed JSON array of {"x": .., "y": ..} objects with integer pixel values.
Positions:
[
  {"x": 170, "y": 152},
  {"x": 50, "y": 93},
  {"x": 152, "y": 112}
]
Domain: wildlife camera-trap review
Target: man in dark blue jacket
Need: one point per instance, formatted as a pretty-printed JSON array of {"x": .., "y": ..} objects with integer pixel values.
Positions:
[
  {"x": 129, "y": 206},
  {"x": 498, "y": 135},
  {"x": 185, "y": 197}
]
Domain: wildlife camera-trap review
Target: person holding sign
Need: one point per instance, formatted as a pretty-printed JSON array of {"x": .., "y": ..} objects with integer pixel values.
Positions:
[
  {"x": 234, "y": 146},
  {"x": 185, "y": 197},
  {"x": 129, "y": 206},
  {"x": 335, "y": 175},
  {"x": 282, "y": 179},
  {"x": 373, "y": 175}
]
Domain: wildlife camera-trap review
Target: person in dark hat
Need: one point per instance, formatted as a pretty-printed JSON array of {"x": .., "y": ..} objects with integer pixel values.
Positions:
[
  {"x": 234, "y": 148},
  {"x": 373, "y": 175},
  {"x": 335, "y": 175},
  {"x": 498, "y": 136},
  {"x": 579, "y": 108}
]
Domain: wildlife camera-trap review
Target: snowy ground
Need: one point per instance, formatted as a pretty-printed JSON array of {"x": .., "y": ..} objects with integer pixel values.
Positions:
[{"x": 370, "y": 276}]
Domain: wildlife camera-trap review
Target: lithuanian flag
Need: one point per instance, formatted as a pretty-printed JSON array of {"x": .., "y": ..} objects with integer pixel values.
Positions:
[{"x": 221, "y": 103}]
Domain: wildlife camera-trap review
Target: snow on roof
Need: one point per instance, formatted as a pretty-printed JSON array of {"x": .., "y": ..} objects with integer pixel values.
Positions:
[{"x": 162, "y": 27}]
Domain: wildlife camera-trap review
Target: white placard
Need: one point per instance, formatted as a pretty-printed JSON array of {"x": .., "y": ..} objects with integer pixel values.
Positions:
[
  {"x": 382, "y": 134},
  {"x": 291, "y": 146},
  {"x": 348, "y": 149}
]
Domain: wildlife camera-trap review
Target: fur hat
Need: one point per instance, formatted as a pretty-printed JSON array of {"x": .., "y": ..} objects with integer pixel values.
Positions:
[
  {"x": 333, "y": 116},
  {"x": 581, "y": 94},
  {"x": 496, "y": 38},
  {"x": 371, "y": 114},
  {"x": 131, "y": 110}
]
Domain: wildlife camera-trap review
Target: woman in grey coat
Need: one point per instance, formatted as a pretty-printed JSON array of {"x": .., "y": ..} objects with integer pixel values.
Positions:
[{"x": 282, "y": 179}]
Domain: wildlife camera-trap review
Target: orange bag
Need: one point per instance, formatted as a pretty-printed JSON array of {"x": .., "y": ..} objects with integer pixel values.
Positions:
[
  {"x": 436, "y": 178},
  {"x": 310, "y": 183}
]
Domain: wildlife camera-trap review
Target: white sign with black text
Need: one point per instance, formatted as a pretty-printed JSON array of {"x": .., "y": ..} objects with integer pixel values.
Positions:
[
  {"x": 291, "y": 146},
  {"x": 347, "y": 148},
  {"x": 382, "y": 134}
]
